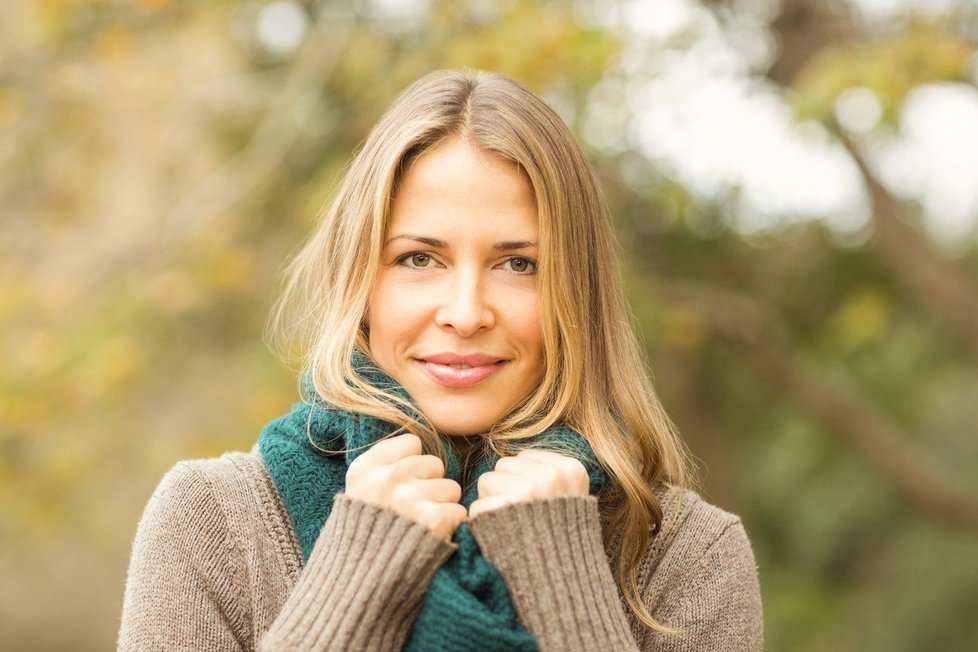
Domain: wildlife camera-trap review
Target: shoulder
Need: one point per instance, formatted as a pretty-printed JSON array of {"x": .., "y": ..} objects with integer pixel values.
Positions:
[
  {"x": 699, "y": 574},
  {"x": 694, "y": 532},
  {"x": 184, "y": 558},
  {"x": 232, "y": 492},
  {"x": 193, "y": 497},
  {"x": 689, "y": 522},
  {"x": 234, "y": 478},
  {"x": 225, "y": 474}
]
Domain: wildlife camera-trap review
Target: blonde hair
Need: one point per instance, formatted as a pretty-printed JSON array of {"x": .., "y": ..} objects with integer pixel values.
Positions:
[{"x": 595, "y": 379}]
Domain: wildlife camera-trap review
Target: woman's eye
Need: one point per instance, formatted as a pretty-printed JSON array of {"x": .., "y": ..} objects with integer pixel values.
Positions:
[
  {"x": 522, "y": 265},
  {"x": 416, "y": 259}
]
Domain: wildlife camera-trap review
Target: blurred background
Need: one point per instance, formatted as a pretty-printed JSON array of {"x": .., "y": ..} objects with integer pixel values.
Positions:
[{"x": 795, "y": 185}]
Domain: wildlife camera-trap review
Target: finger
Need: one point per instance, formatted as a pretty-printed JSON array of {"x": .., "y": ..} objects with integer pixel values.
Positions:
[
  {"x": 544, "y": 456},
  {"x": 419, "y": 466},
  {"x": 499, "y": 483},
  {"x": 392, "y": 449},
  {"x": 440, "y": 490},
  {"x": 488, "y": 504},
  {"x": 443, "y": 518},
  {"x": 543, "y": 469},
  {"x": 516, "y": 464},
  {"x": 568, "y": 464},
  {"x": 454, "y": 515}
]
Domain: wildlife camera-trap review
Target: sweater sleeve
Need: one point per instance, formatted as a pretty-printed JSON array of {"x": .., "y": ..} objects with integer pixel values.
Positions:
[
  {"x": 364, "y": 583},
  {"x": 361, "y": 588},
  {"x": 562, "y": 586},
  {"x": 550, "y": 553}
]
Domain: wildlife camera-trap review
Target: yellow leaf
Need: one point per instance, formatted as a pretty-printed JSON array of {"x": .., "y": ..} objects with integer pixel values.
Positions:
[
  {"x": 114, "y": 43},
  {"x": 862, "y": 320}
]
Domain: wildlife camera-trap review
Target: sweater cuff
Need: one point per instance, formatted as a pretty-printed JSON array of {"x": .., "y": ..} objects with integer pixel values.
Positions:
[
  {"x": 550, "y": 553},
  {"x": 364, "y": 583}
]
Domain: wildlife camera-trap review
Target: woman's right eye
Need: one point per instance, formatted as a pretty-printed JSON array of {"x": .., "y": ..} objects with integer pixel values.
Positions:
[{"x": 416, "y": 259}]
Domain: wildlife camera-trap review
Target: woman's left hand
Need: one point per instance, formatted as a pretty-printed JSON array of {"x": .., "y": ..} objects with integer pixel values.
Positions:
[{"x": 528, "y": 475}]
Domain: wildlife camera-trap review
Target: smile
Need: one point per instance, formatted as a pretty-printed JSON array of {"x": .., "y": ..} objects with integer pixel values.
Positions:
[{"x": 461, "y": 371}]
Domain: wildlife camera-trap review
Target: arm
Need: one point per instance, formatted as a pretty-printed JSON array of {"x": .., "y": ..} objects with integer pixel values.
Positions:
[
  {"x": 364, "y": 583},
  {"x": 187, "y": 588},
  {"x": 564, "y": 592},
  {"x": 549, "y": 551}
]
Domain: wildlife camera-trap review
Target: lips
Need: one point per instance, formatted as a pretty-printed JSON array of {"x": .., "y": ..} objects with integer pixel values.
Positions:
[{"x": 455, "y": 370}]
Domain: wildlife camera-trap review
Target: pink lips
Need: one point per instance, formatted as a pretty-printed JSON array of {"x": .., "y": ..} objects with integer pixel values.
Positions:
[{"x": 478, "y": 368}]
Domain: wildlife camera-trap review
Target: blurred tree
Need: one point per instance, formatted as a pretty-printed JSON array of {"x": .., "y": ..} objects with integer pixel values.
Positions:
[
  {"x": 842, "y": 376},
  {"x": 161, "y": 160}
]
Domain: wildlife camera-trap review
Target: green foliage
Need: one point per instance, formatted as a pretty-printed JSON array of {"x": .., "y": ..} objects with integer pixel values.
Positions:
[
  {"x": 923, "y": 52},
  {"x": 132, "y": 325}
]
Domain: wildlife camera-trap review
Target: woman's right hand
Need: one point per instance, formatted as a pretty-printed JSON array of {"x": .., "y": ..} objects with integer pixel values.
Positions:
[{"x": 394, "y": 474}]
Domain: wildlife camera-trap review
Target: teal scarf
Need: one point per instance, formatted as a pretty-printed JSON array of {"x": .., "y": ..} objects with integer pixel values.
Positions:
[{"x": 467, "y": 605}]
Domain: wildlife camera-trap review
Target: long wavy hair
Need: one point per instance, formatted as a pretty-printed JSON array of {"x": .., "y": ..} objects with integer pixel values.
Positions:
[{"x": 595, "y": 379}]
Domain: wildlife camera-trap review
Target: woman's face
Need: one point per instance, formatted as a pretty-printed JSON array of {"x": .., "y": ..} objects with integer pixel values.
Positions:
[{"x": 454, "y": 313}]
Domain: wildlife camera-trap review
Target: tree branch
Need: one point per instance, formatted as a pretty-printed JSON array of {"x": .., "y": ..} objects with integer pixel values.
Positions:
[
  {"x": 294, "y": 106},
  {"x": 755, "y": 330},
  {"x": 932, "y": 279},
  {"x": 243, "y": 176}
]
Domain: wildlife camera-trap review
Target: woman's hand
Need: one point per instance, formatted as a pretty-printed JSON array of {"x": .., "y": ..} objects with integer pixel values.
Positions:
[
  {"x": 394, "y": 474},
  {"x": 527, "y": 475}
]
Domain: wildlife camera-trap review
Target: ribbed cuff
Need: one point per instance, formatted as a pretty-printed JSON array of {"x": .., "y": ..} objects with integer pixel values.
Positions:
[
  {"x": 549, "y": 551},
  {"x": 364, "y": 582}
]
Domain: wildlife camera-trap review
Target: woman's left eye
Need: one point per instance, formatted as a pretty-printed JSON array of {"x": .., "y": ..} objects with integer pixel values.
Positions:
[
  {"x": 415, "y": 260},
  {"x": 521, "y": 265}
]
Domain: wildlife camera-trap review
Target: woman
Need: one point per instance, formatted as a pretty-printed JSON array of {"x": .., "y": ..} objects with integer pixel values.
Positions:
[{"x": 480, "y": 462}]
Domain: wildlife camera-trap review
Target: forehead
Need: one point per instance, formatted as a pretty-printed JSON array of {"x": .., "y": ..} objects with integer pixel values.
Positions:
[{"x": 457, "y": 185}]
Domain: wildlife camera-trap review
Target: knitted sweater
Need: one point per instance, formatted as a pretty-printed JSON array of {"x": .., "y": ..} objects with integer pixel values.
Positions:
[{"x": 216, "y": 566}]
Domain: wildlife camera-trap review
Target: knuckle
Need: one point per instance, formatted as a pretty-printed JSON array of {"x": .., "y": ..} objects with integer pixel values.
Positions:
[
  {"x": 551, "y": 474},
  {"x": 485, "y": 483},
  {"x": 435, "y": 463},
  {"x": 582, "y": 475},
  {"x": 452, "y": 514},
  {"x": 401, "y": 494},
  {"x": 413, "y": 441},
  {"x": 455, "y": 491},
  {"x": 460, "y": 514},
  {"x": 358, "y": 463},
  {"x": 381, "y": 473},
  {"x": 381, "y": 477},
  {"x": 507, "y": 463}
]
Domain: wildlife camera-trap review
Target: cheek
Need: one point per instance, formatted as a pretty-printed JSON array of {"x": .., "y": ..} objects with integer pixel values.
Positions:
[
  {"x": 380, "y": 322},
  {"x": 387, "y": 299},
  {"x": 528, "y": 327},
  {"x": 393, "y": 316}
]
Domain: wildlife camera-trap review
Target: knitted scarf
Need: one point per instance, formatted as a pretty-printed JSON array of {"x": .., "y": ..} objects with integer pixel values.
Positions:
[{"x": 467, "y": 605}]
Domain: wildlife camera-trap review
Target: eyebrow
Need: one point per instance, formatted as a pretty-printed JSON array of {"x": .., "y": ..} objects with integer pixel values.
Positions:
[{"x": 506, "y": 245}]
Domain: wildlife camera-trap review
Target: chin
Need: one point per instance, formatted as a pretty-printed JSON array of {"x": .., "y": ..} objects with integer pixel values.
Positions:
[
  {"x": 449, "y": 420},
  {"x": 456, "y": 428}
]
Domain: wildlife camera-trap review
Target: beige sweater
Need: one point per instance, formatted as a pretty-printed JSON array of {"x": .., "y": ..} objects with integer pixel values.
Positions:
[{"x": 216, "y": 566}]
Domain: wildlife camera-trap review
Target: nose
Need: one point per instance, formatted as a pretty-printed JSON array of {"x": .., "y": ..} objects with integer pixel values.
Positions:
[{"x": 465, "y": 306}]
